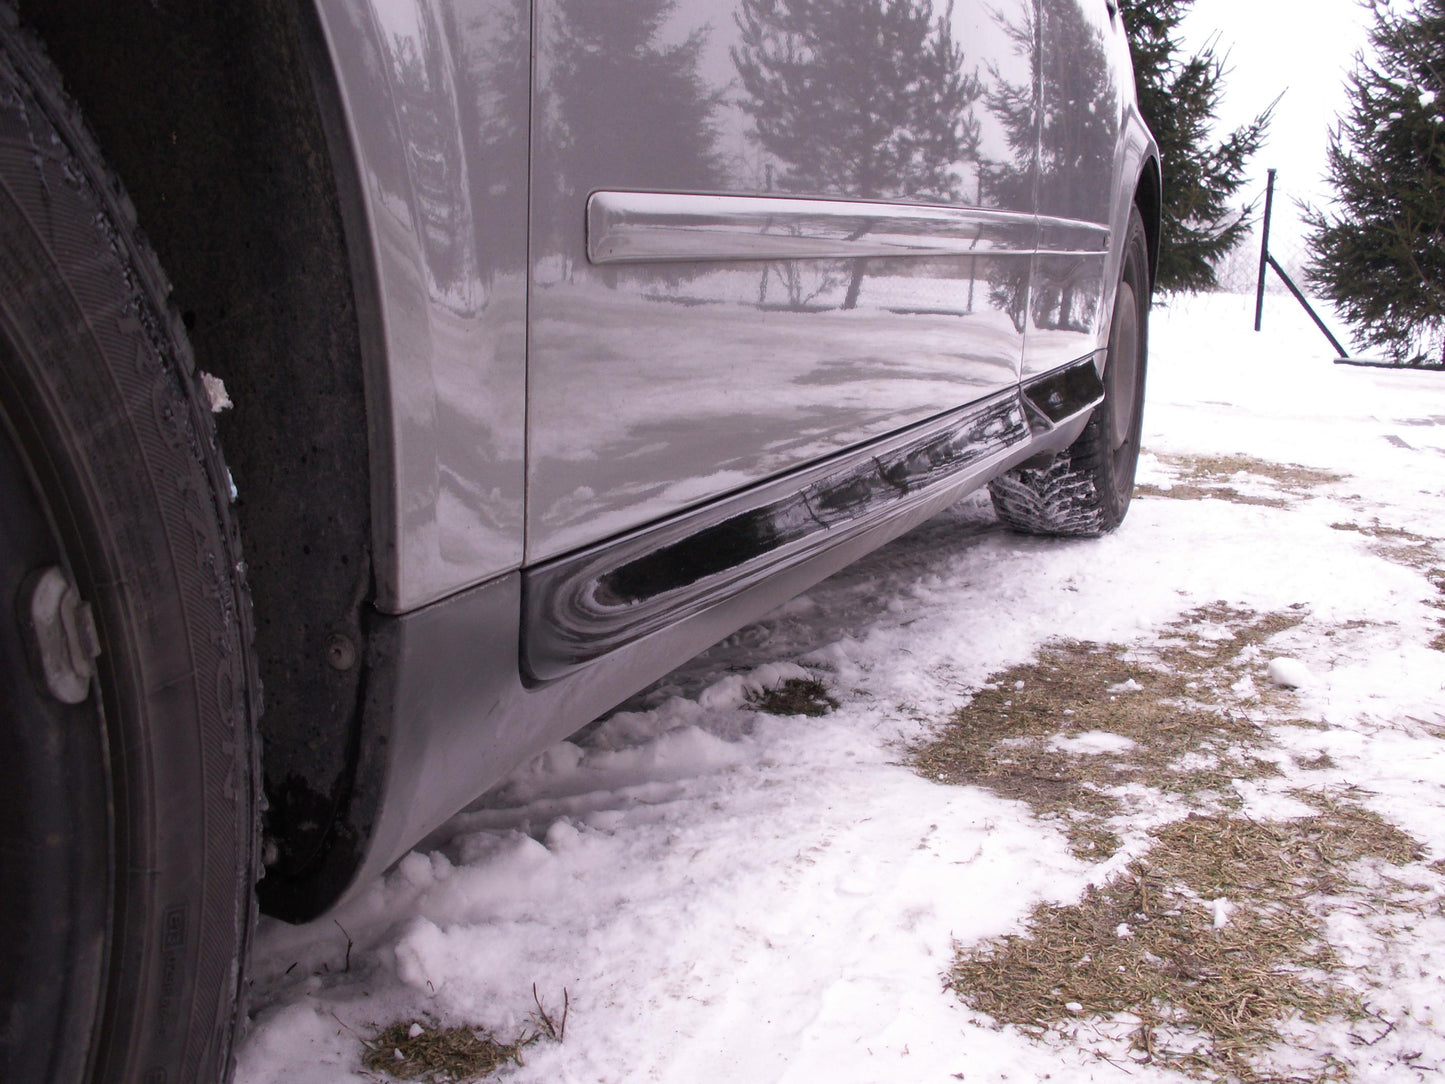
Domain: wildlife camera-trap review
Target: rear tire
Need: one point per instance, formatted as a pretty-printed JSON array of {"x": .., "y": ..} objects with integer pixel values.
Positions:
[
  {"x": 1085, "y": 490},
  {"x": 128, "y": 772}
]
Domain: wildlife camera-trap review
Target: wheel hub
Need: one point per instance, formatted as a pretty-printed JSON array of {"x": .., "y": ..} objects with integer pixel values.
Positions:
[{"x": 1122, "y": 373}]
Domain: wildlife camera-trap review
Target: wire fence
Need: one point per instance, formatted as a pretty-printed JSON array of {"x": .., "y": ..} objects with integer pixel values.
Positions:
[{"x": 1239, "y": 271}]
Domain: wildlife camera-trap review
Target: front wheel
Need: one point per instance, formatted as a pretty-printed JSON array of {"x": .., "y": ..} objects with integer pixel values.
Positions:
[
  {"x": 128, "y": 802},
  {"x": 1086, "y": 488}
]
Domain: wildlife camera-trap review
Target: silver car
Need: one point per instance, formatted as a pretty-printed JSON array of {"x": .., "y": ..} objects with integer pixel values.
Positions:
[{"x": 479, "y": 362}]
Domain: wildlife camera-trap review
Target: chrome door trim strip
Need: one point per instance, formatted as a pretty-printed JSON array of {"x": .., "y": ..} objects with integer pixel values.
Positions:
[
  {"x": 642, "y": 227},
  {"x": 1071, "y": 237}
]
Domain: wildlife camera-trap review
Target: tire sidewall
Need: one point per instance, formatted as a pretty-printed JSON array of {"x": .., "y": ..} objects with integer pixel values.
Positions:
[
  {"x": 101, "y": 396},
  {"x": 1114, "y": 472}
]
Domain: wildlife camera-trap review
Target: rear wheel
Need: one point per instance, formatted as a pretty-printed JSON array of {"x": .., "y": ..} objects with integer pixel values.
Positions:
[
  {"x": 1086, "y": 488},
  {"x": 128, "y": 808}
]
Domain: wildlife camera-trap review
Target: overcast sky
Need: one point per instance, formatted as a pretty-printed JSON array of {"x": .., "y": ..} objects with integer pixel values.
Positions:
[{"x": 1304, "y": 48}]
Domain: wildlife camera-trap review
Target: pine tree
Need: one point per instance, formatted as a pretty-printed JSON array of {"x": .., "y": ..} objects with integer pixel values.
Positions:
[
  {"x": 1380, "y": 255},
  {"x": 1178, "y": 96}
]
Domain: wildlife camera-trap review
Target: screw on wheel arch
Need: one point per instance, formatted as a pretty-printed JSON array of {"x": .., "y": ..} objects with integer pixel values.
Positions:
[
  {"x": 1086, "y": 488},
  {"x": 128, "y": 808}
]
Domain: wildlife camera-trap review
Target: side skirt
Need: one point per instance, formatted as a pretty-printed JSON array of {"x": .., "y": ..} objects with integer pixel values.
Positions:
[
  {"x": 449, "y": 712},
  {"x": 583, "y": 606}
]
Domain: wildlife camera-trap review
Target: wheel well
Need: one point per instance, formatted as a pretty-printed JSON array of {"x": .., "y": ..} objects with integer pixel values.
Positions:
[
  {"x": 210, "y": 116},
  {"x": 1149, "y": 197}
]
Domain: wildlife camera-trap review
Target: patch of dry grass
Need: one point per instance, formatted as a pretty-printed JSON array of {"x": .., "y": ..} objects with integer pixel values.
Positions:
[
  {"x": 1186, "y": 492},
  {"x": 1204, "y": 477},
  {"x": 1289, "y": 476},
  {"x": 1211, "y": 943},
  {"x": 796, "y": 696},
  {"x": 440, "y": 1055},
  {"x": 1436, "y": 576},
  {"x": 1397, "y": 544},
  {"x": 411, "y": 1050},
  {"x": 1379, "y": 530},
  {"x": 1177, "y": 707},
  {"x": 1194, "y": 985}
]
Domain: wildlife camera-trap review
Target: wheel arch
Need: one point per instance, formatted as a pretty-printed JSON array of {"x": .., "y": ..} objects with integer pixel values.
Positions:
[
  {"x": 215, "y": 120},
  {"x": 1149, "y": 196}
]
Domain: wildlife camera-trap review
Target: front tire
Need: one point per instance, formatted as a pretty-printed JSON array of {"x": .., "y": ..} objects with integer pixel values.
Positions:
[
  {"x": 1085, "y": 490},
  {"x": 128, "y": 695}
]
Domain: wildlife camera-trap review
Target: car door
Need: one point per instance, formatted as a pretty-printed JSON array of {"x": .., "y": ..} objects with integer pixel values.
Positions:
[
  {"x": 763, "y": 232},
  {"x": 1079, "y": 154}
]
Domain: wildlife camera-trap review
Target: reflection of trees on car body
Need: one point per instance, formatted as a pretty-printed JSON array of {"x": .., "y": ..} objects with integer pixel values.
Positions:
[
  {"x": 863, "y": 101},
  {"x": 864, "y": 97},
  {"x": 1060, "y": 125},
  {"x": 616, "y": 94},
  {"x": 1077, "y": 131},
  {"x": 493, "y": 72},
  {"x": 419, "y": 66}
]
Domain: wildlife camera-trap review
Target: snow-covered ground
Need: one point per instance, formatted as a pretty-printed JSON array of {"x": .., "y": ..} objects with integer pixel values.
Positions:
[{"x": 726, "y": 895}]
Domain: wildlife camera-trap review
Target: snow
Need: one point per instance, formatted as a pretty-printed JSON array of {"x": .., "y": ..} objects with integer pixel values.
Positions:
[
  {"x": 216, "y": 395},
  {"x": 726, "y": 895},
  {"x": 1091, "y": 742},
  {"x": 1291, "y": 673},
  {"x": 1221, "y": 908}
]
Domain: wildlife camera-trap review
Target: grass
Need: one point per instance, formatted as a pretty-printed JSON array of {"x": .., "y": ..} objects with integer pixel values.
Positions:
[
  {"x": 440, "y": 1055},
  {"x": 1188, "y": 492},
  {"x": 1177, "y": 708},
  {"x": 796, "y": 696},
  {"x": 1147, "y": 967},
  {"x": 1436, "y": 576},
  {"x": 1288, "y": 476},
  {"x": 1397, "y": 544},
  {"x": 1210, "y": 477},
  {"x": 1145, "y": 951},
  {"x": 411, "y": 1050}
]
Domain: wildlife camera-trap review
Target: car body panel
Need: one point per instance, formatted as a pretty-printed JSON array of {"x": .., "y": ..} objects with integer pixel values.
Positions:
[
  {"x": 435, "y": 103},
  {"x": 787, "y": 360},
  {"x": 451, "y": 714},
  {"x": 586, "y": 605},
  {"x": 1082, "y": 116},
  {"x": 676, "y": 335},
  {"x": 517, "y": 436}
]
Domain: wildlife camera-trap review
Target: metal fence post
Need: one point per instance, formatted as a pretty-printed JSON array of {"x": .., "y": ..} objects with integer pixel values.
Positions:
[{"x": 1264, "y": 251}]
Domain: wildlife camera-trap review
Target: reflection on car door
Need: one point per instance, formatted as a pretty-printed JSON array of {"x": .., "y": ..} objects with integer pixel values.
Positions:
[
  {"x": 762, "y": 233},
  {"x": 1078, "y": 149}
]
